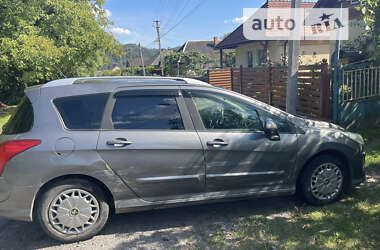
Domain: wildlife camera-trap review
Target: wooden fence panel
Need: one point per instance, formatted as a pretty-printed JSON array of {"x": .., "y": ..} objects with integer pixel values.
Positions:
[
  {"x": 268, "y": 84},
  {"x": 220, "y": 78}
]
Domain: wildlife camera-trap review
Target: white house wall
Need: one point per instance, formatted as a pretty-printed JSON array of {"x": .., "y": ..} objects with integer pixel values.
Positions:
[{"x": 311, "y": 52}]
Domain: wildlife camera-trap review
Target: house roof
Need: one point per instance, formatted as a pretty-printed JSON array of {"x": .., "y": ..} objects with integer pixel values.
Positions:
[
  {"x": 155, "y": 60},
  {"x": 353, "y": 13},
  {"x": 326, "y": 4},
  {"x": 203, "y": 47},
  {"x": 236, "y": 37},
  {"x": 135, "y": 62}
]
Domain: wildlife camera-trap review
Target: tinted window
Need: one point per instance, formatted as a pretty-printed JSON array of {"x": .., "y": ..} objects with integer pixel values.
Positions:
[
  {"x": 22, "y": 119},
  {"x": 226, "y": 113},
  {"x": 82, "y": 112},
  {"x": 146, "y": 112}
]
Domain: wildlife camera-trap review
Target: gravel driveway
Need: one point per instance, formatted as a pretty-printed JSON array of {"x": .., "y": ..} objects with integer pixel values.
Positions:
[{"x": 159, "y": 229}]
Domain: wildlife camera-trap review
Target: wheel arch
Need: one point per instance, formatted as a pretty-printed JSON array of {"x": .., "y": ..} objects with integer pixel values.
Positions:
[
  {"x": 100, "y": 184},
  {"x": 330, "y": 152}
]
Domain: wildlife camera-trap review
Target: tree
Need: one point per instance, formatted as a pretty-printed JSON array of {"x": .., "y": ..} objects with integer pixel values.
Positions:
[
  {"x": 42, "y": 40},
  {"x": 190, "y": 64},
  {"x": 229, "y": 58},
  {"x": 370, "y": 10}
]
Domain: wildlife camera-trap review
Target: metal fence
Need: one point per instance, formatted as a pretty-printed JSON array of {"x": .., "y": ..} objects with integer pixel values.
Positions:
[{"x": 358, "y": 84}]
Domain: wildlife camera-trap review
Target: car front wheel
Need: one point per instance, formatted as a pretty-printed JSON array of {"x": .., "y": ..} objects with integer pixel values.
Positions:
[
  {"x": 73, "y": 210},
  {"x": 323, "y": 180}
]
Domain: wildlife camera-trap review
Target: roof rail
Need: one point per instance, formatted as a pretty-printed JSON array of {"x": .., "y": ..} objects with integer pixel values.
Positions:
[{"x": 129, "y": 78}]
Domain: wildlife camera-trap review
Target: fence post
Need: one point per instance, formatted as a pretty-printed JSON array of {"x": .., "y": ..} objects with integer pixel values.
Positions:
[
  {"x": 241, "y": 79},
  {"x": 232, "y": 78},
  {"x": 325, "y": 90},
  {"x": 269, "y": 88}
]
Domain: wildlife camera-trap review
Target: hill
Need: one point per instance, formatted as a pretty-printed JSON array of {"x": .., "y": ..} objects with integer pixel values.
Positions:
[{"x": 132, "y": 52}]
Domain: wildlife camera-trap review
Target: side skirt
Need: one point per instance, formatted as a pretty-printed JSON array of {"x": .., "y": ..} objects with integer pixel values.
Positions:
[{"x": 132, "y": 205}]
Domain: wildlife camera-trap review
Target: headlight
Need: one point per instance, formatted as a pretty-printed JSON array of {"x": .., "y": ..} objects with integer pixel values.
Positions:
[{"x": 355, "y": 137}]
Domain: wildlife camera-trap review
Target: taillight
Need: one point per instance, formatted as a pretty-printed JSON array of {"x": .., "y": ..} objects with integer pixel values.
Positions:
[{"x": 9, "y": 149}]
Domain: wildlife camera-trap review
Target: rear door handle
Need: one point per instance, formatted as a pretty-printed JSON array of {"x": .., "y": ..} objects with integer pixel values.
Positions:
[
  {"x": 119, "y": 142},
  {"x": 217, "y": 143}
]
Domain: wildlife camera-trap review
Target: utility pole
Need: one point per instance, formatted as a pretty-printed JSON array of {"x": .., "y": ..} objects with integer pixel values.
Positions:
[
  {"x": 159, "y": 45},
  {"x": 336, "y": 71},
  {"x": 294, "y": 51},
  {"x": 142, "y": 59},
  {"x": 121, "y": 66}
]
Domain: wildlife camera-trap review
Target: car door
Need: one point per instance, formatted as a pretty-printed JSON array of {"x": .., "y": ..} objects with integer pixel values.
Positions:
[
  {"x": 239, "y": 155},
  {"x": 150, "y": 142}
]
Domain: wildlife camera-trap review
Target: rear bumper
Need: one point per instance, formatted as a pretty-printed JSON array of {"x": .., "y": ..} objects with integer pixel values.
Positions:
[{"x": 16, "y": 203}]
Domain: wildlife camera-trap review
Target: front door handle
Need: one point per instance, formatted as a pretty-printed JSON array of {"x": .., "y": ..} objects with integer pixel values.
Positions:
[
  {"x": 217, "y": 143},
  {"x": 119, "y": 142}
]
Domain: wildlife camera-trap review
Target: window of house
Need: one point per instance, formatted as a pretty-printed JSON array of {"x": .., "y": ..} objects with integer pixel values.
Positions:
[
  {"x": 260, "y": 57},
  {"x": 146, "y": 112},
  {"x": 250, "y": 59}
]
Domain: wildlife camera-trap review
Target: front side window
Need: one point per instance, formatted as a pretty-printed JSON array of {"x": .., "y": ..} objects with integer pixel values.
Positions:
[
  {"x": 222, "y": 112},
  {"x": 147, "y": 112},
  {"x": 282, "y": 124},
  {"x": 82, "y": 112}
]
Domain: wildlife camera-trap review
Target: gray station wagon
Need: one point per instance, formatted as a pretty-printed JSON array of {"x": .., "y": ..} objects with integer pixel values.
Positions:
[{"x": 77, "y": 150}]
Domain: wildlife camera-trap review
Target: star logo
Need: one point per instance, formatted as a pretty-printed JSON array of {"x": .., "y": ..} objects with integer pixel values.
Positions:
[{"x": 325, "y": 17}]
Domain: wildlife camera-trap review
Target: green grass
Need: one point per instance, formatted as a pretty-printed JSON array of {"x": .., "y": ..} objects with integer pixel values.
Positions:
[{"x": 352, "y": 223}]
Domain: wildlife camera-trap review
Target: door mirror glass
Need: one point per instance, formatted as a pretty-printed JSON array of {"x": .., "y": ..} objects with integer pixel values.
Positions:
[{"x": 271, "y": 130}]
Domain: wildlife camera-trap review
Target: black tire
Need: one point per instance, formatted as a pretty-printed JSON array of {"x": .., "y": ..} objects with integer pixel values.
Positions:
[
  {"x": 50, "y": 195},
  {"x": 305, "y": 185}
]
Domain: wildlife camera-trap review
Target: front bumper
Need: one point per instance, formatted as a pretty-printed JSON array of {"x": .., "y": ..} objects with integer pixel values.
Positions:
[
  {"x": 16, "y": 203},
  {"x": 358, "y": 173}
]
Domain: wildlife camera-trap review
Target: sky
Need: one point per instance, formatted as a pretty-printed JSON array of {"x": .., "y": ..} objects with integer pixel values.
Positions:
[{"x": 180, "y": 20}]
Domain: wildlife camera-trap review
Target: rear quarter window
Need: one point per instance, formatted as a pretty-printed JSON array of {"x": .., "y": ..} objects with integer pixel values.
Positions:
[
  {"x": 22, "y": 119},
  {"x": 82, "y": 112}
]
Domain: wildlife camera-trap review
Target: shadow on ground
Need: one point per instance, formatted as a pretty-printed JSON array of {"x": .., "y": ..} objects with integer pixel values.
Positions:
[{"x": 167, "y": 228}]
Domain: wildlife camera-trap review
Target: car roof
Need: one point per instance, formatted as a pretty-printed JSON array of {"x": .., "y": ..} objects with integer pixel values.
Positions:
[{"x": 124, "y": 80}]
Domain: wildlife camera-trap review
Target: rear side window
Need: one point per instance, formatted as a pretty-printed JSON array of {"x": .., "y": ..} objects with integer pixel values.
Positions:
[
  {"x": 22, "y": 120},
  {"x": 82, "y": 112},
  {"x": 146, "y": 112}
]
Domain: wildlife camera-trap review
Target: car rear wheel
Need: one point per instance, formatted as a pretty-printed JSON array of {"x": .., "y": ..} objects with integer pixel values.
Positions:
[
  {"x": 73, "y": 210},
  {"x": 323, "y": 180}
]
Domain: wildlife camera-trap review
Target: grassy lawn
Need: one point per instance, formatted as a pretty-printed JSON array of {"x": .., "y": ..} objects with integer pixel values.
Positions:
[{"x": 352, "y": 223}]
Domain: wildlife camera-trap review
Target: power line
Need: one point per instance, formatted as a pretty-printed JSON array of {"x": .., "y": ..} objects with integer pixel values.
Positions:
[
  {"x": 183, "y": 18},
  {"x": 180, "y": 21},
  {"x": 178, "y": 14}
]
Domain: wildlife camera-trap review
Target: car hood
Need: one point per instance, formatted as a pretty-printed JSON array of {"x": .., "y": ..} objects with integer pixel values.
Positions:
[{"x": 322, "y": 125}]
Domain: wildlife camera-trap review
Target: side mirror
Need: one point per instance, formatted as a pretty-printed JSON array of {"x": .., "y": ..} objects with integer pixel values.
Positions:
[{"x": 271, "y": 130}]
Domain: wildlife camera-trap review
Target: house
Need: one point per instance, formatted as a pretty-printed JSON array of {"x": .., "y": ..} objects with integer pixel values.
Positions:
[
  {"x": 357, "y": 47},
  {"x": 155, "y": 60},
  {"x": 251, "y": 53},
  {"x": 134, "y": 62},
  {"x": 204, "y": 47}
]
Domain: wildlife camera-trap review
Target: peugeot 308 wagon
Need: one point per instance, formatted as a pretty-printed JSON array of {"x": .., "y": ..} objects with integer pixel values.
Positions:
[{"x": 77, "y": 150}]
